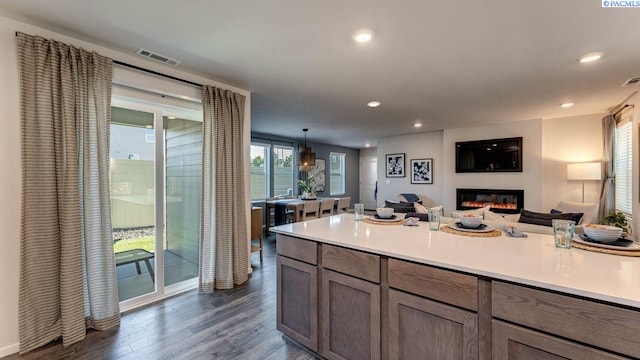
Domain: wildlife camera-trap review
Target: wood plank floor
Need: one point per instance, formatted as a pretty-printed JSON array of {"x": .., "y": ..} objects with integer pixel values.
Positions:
[{"x": 230, "y": 324}]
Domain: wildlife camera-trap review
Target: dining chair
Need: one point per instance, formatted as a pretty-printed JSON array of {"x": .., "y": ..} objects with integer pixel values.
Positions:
[
  {"x": 311, "y": 209},
  {"x": 256, "y": 229},
  {"x": 326, "y": 207},
  {"x": 343, "y": 204}
]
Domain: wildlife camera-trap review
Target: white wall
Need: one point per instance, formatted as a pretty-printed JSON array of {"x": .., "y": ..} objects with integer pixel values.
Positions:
[
  {"x": 10, "y": 175},
  {"x": 569, "y": 140},
  {"x": 415, "y": 146},
  {"x": 528, "y": 180}
]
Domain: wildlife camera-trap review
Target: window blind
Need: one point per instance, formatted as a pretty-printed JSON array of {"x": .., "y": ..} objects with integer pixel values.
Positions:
[{"x": 622, "y": 165}]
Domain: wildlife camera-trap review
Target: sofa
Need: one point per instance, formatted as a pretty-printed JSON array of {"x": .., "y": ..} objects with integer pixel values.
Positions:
[{"x": 589, "y": 213}]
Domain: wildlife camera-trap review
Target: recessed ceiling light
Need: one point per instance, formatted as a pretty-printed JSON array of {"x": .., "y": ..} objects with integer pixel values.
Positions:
[
  {"x": 373, "y": 103},
  {"x": 417, "y": 125},
  {"x": 171, "y": 117},
  {"x": 590, "y": 57},
  {"x": 566, "y": 105},
  {"x": 362, "y": 36},
  {"x": 367, "y": 145},
  {"x": 149, "y": 126}
]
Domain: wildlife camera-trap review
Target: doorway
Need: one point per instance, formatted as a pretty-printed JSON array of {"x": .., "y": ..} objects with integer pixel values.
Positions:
[
  {"x": 155, "y": 173},
  {"x": 368, "y": 178}
]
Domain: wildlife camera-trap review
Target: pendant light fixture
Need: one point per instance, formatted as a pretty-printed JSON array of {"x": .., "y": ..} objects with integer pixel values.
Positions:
[{"x": 307, "y": 156}]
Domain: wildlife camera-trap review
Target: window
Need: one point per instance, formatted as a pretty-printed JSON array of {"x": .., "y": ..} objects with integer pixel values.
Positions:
[
  {"x": 282, "y": 170},
  {"x": 259, "y": 171},
  {"x": 336, "y": 174},
  {"x": 622, "y": 165}
]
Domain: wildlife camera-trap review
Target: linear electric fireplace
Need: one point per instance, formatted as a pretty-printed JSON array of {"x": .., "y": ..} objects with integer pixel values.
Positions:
[{"x": 501, "y": 201}]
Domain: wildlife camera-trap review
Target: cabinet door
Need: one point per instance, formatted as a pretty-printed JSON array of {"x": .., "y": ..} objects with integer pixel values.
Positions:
[
  {"x": 350, "y": 317},
  {"x": 297, "y": 310},
  {"x": 516, "y": 343},
  {"x": 424, "y": 329}
]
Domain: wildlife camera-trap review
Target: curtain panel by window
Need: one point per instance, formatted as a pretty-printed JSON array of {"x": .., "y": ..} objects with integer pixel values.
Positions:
[
  {"x": 67, "y": 266},
  {"x": 224, "y": 249},
  {"x": 607, "y": 200}
]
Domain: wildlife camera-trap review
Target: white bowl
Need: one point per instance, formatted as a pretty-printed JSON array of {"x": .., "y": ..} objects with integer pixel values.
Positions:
[
  {"x": 384, "y": 212},
  {"x": 471, "y": 221},
  {"x": 604, "y": 233}
]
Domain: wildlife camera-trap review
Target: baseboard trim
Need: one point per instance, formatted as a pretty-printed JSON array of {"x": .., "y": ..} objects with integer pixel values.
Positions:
[{"x": 8, "y": 350}]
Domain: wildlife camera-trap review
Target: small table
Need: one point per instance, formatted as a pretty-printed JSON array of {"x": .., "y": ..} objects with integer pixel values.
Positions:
[{"x": 135, "y": 256}]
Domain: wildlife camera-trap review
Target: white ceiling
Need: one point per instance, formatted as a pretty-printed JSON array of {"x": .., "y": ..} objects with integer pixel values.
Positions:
[{"x": 445, "y": 63}]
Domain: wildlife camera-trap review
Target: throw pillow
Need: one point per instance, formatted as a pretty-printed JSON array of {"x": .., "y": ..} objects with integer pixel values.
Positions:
[
  {"x": 512, "y": 217},
  {"x": 535, "y": 218},
  {"x": 420, "y": 208},
  {"x": 400, "y": 207},
  {"x": 574, "y": 216},
  {"x": 491, "y": 216},
  {"x": 460, "y": 213}
]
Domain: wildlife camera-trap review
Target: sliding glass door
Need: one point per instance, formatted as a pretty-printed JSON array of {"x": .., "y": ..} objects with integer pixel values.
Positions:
[{"x": 156, "y": 155}]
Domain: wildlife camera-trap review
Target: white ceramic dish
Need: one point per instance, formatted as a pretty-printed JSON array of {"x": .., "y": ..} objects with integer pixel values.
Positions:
[
  {"x": 603, "y": 233},
  {"x": 384, "y": 213},
  {"x": 480, "y": 229},
  {"x": 377, "y": 218},
  {"x": 471, "y": 221}
]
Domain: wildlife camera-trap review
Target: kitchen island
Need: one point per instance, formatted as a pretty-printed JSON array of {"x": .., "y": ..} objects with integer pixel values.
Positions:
[{"x": 350, "y": 289}]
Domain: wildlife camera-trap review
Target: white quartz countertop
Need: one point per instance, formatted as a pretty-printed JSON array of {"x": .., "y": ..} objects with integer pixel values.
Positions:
[{"x": 531, "y": 261}]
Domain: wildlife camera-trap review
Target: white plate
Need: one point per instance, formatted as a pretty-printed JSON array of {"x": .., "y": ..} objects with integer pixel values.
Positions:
[
  {"x": 393, "y": 218},
  {"x": 632, "y": 247},
  {"x": 486, "y": 229}
]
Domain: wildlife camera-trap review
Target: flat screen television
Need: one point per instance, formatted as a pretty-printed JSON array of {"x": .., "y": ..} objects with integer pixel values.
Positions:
[{"x": 495, "y": 155}]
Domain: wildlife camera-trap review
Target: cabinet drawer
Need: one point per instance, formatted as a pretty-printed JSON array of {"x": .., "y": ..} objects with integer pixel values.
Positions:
[
  {"x": 296, "y": 248},
  {"x": 351, "y": 262},
  {"x": 606, "y": 326},
  {"x": 442, "y": 285}
]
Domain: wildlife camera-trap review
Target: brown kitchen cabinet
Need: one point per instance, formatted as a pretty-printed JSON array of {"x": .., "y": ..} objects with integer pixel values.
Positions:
[
  {"x": 420, "y": 328},
  {"x": 350, "y": 317},
  {"x": 511, "y": 342}
]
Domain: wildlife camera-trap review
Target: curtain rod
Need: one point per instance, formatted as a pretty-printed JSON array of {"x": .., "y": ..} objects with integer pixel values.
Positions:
[
  {"x": 149, "y": 71},
  {"x": 622, "y": 108},
  {"x": 156, "y": 73}
]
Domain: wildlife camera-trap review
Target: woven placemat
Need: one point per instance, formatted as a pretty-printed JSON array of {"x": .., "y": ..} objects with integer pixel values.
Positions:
[
  {"x": 374, "y": 221},
  {"x": 492, "y": 233},
  {"x": 605, "y": 251}
]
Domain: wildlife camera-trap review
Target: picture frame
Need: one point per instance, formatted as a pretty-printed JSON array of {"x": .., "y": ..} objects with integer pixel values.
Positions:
[
  {"x": 422, "y": 171},
  {"x": 317, "y": 173},
  {"x": 395, "y": 165}
]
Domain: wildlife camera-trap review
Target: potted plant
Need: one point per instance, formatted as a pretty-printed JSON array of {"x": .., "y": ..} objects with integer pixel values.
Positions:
[
  {"x": 308, "y": 191},
  {"x": 619, "y": 219}
]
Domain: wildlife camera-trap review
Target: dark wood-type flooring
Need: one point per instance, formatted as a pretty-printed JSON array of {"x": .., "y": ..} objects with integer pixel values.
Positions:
[{"x": 230, "y": 324}]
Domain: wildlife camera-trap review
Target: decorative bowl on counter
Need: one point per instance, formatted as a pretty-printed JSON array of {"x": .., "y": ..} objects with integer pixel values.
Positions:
[
  {"x": 471, "y": 221},
  {"x": 384, "y": 212},
  {"x": 604, "y": 233}
]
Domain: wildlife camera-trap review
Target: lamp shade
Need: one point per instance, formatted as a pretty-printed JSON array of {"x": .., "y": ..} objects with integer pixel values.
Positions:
[{"x": 584, "y": 171}]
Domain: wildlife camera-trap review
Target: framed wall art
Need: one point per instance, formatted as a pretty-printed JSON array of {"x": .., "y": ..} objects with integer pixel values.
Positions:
[
  {"x": 395, "y": 165},
  {"x": 422, "y": 171},
  {"x": 317, "y": 174}
]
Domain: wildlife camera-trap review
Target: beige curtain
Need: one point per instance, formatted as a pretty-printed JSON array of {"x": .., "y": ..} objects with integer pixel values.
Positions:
[
  {"x": 223, "y": 237},
  {"x": 67, "y": 266},
  {"x": 607, "y": 195}
]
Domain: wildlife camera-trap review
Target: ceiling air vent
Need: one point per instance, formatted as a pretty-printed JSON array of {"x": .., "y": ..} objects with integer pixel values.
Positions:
[
  {"x": 631, "y": 81},
  {"x": 158, "y": 57}
]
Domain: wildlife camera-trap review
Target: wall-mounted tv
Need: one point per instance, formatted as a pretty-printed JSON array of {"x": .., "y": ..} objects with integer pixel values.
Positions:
[{"x": 495, "y": 155}]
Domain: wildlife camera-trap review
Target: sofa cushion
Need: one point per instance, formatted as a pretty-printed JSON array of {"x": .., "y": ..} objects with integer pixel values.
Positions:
[
  {"x": 420, "y": 208},
  {"x": 574, "y": 216},
  {"x": 460, "y": 213},
  {"x": 491, "y": 216},
  {"x": 590, "y": 210},
  {"x": 400, "y": 207},
  {"x": 532, "y": 217}
]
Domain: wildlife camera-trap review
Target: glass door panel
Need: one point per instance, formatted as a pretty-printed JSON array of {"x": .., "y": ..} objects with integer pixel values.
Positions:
[
  {"x": 132, "y": 172},
  {"x": 183, "y": 177}
]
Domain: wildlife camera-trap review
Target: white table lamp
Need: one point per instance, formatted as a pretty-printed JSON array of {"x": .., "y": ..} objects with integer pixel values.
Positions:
[{"x": 584, "y": 172}]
